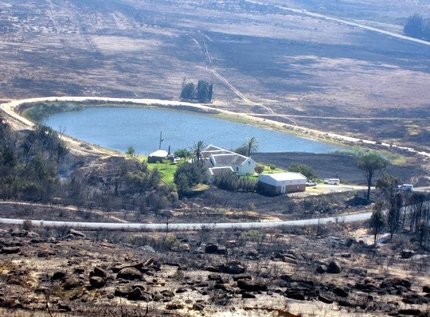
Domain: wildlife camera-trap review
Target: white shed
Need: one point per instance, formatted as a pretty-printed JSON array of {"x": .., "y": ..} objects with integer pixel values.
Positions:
[
  {"x": 157, "y": 156},
  {"x": 281, "y": 183}
]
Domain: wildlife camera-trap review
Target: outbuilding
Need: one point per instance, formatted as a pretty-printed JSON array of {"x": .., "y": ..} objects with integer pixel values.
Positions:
[
  {"x": 281, "y": 183},
  {"x": 157, "y": 156}
]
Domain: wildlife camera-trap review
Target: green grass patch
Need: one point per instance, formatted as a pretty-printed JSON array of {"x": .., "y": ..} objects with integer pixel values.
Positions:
[{"x": 167, "y": 170}]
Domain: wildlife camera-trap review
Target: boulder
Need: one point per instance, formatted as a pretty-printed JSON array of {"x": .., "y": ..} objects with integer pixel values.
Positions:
[
  {"x": 185, "y": 247},
  {"x": 368, "y": 288},
  {"x": 123, "y": 290},
  {"x": 248, "y": 295},
  {"x": 10, "y": 250},
  {"x": 334, "y": 267},
  {"x": 252, "y": 254},
  {"x": 64, "y": 307},
  {"x": 244, "y": 276},
  {"x": 140, "y": 266},
  {"x": 215, "y": 277},
  {"x": 211, "y": 248},
  {"x": 222, "y": 251},
  {"x": 407, "y": 254},
  {"x": 59, "y": 275},
  {"x": 138, "y": 294},
  {"x": 231, "y": 244},
  {"x": 72, "y": 283},
  {"x": 130, "y": 273},
  {"x": 211, "y": 268},
  {"x": 393, "y": 282},
  {"x": 77, "y": 233},
  {"x": 325, "y": 299},
  {"x": 341, "y": 292},
  {"x": 415, "y": 299},
  {"x": 295, "y": 294},
  {"x": 232, "y": 267},
  {"x": 251, "y": 286},
  {"x": 97, "y": 281},
  {"x": 44, "y": 253},
  {"x": 410, "y": 312},
  {"x": 199, "y": 306},
  {"x": 174, "y": 306},
  {"x": 167, "y": 293},
  {"x": 99, "y": 272},
  {"x": 321, "y": 269}
]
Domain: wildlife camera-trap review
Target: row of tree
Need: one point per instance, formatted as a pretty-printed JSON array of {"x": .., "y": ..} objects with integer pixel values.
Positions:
[{"x": 202, "y": 92}]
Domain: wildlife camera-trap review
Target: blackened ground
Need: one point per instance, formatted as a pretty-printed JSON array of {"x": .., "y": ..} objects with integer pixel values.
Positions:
[{"x": 342, "y": 166}]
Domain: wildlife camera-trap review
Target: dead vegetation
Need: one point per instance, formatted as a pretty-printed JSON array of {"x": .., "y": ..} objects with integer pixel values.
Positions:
[{"x": 259, "y": 272}]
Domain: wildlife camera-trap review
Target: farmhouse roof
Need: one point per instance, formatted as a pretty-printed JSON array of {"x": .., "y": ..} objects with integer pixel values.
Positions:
[
  {"x": 213, "y": 149},
  {"x": 228, "y": 159},
  {"x": 219, "y": 170}
]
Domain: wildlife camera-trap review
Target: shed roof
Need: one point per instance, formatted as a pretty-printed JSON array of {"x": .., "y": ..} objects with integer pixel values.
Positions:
[
  {"x": 285, "y": 176},
  {"x": 159, "y": 153}
]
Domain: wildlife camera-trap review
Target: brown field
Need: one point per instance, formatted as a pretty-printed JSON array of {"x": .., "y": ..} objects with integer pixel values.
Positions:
[{"x": 261, "y": 58}]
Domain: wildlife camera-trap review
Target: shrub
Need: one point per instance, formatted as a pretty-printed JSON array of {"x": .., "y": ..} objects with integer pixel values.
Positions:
[
  {"x": 259, "y": 169},
  {"x": 27, "y": 225}
]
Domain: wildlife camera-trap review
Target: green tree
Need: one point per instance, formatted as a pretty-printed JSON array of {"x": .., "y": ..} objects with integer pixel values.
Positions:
[
  {"x": 251, "y": 145},
  {"x": 414, "y": 26},
  {"x": 188, "y": 175},
  {"x": 182, "y": 153},
  {"x": 259, "y": 169},
  {"x": 204, "y": 91},
  {"x": 370, "y": 164},
  {"x": 197, "y": 150},
  {"x": 188, "y": 92},
  {"x": 233, "y": 182},
  {"x": 377, "y": 220},
  {"x": 303, "y": 169},
  {"x": 130, "y": 152}
]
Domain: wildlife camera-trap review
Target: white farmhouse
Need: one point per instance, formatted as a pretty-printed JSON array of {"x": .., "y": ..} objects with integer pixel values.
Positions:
[
  {"x": 219, "y": 157},
  {"x": 281, "y": 183}
]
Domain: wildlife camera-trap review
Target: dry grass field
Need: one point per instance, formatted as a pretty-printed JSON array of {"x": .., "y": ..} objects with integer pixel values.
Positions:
[{"x": 262, "y": 58}]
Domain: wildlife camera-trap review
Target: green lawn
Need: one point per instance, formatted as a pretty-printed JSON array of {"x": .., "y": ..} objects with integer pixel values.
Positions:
[{"x": 167, "y": 170}]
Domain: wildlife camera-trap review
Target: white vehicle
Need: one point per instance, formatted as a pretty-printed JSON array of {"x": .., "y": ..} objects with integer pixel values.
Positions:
[
  {"x": 332, "y": 181},
  {"x": 406, "y": 187}
]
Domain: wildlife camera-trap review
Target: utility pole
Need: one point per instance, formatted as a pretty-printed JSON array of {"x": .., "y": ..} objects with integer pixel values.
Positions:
[{"x": 161, "y": 140}]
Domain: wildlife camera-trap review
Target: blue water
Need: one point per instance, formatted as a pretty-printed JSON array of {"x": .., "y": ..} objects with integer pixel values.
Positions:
[{"x": 119, "y": 128}]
